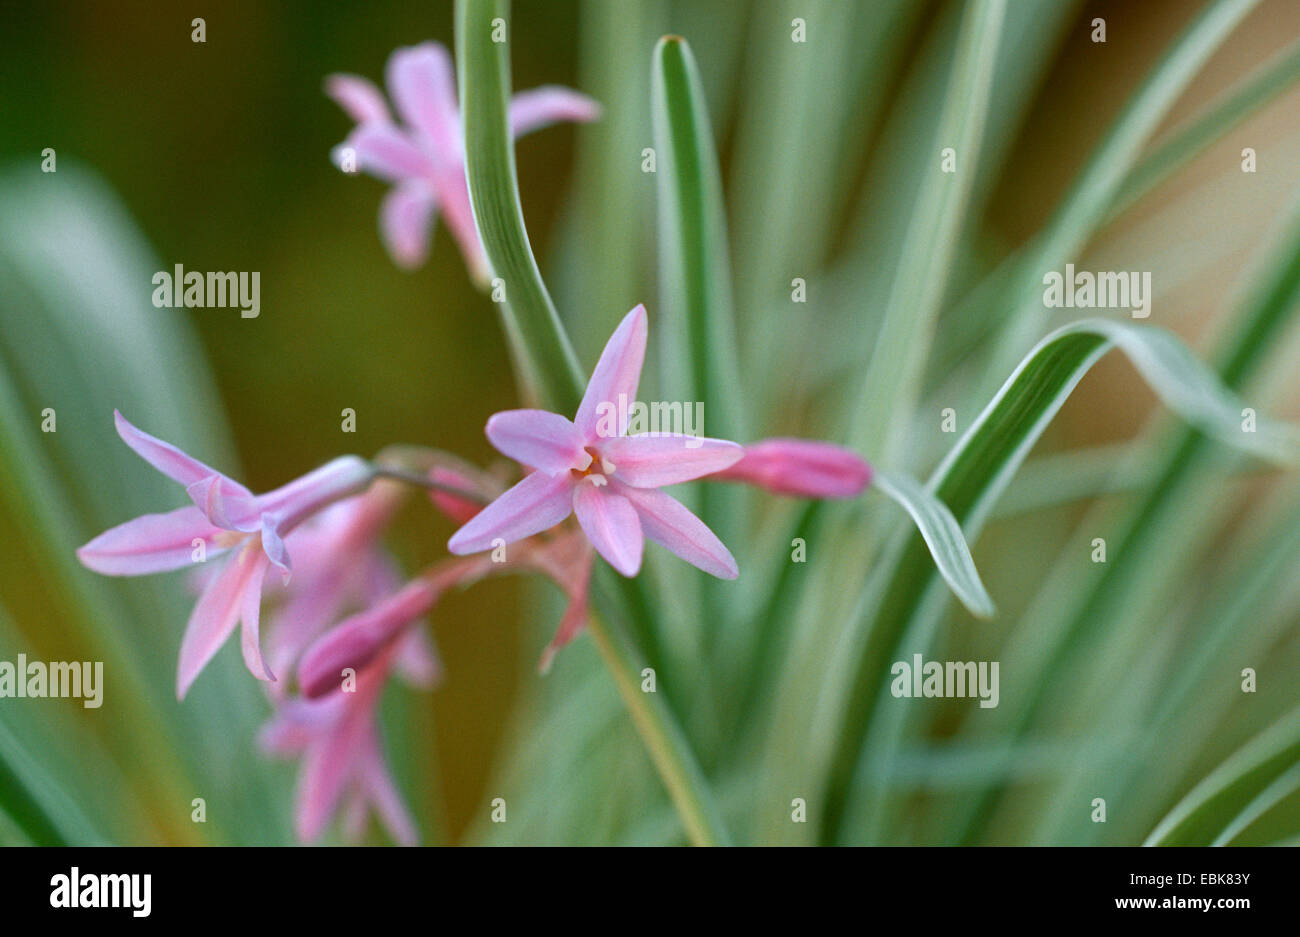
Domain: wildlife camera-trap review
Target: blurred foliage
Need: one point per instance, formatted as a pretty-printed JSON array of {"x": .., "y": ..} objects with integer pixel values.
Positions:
[{"x": 214, "y": 156}]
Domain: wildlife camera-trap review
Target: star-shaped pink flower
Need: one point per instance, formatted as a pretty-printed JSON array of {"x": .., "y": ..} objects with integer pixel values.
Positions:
[
  {"x": 611, "y": 481},
  {"x": 424, "y": 159},
  {"x": 226, "y": 518}
]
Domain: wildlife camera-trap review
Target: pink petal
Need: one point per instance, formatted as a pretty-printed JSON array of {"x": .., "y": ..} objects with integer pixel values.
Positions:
[
  {"x": 311, "y": 608},
  {"x": 417, "y": 659},
  {"x": 358, "y": 97},
  {"x": 458, "y": 509},
  {"x": 382, "y": 792},
  {"x": 801, "y": 467},
  {"x": 153, "y": 543},
  {"x": 327, "y": 769},
  {"x": 617, "y": 373},
  {"x": 216, "y": 614},
  {"x": 250, "y": 638},
  {"x": 453, "y": 195},
  {"x": 611, "y": 525},
  {"x": 423, "y": 86},
  {"x": 386, "y": 152},
  {"x": 545, "y": 441},
  {"x": 298, "y": 723},
  {"x": 576, "y": 587},
  {"x": 539, "y": 107},
  {"x": 405, "y": 221},
  {"x": 166, "y": 458},
  {"x": 668, "y": 523},
  {"x": 225, "y": 503},
  {"x": 273, "y": 547},
  {"x": 356, "y": 642},
  {"x": 310, "y": 494},
  {"x": 655, "y": 461},
  {"x": 537, "y": 503}
]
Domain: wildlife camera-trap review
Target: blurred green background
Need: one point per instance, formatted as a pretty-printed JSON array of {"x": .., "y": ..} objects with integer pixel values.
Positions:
[{"x": 219, "y": 151}]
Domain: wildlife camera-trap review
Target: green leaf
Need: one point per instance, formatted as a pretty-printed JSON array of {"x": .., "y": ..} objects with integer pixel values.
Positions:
[
  {"x": 1159, "y": 535},
  {"x": 695, "y": 324},
  {"x": 79, "y": 335},
  {"x": 1093, "y": 193},
  {"x": 891, "y": 382},
  {"x": 1230, "y": 790},
  {"x": 979, "y": 468},
  {"x": 539, "y": 345},
  {"x": 36, "y": 801},
  {"x": 943, "y": 536},
  {"x": 1236, "y": 104}
]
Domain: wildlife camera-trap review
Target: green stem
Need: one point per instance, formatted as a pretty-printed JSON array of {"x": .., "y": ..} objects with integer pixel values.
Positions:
[{"x": 664, "y": 741}]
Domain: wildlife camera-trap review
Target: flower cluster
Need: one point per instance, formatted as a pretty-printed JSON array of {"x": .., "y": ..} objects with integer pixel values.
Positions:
[{"x": 345, "y": 619}]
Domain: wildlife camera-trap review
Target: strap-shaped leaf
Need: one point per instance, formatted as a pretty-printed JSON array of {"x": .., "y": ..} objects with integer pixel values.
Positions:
[
  {"x": 1249, "y": 778},
  {"x": 986, "y": 457},
  {"x": 943, "y": 536},
  {"x": 539, "y": 345},
  {"x": 695, "y": 323}
]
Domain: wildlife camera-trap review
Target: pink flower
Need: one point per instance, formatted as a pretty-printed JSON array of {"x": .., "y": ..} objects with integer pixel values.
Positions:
[
  {"x": 424, "y": 158},
  {"x": 339, "y": 565},
  {"x": 337, "y": 738},
  {"x": 368, "y": 636},
  {"x": 611, "y": 481},
  {"x": 226, "y": 518},
  {"x": 800, "y": 467}
]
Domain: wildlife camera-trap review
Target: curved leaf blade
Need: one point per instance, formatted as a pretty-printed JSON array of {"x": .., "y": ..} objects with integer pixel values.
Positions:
[
  {"x": 540, "y": 346},
  {"x": 1231, "y": 789},
  {"x": 942, "y": 534}
]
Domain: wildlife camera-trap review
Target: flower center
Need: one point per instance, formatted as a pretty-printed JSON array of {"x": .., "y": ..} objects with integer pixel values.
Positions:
[
  {"x": 598, "y": 471},
  {"x": 230, "y": 538}
]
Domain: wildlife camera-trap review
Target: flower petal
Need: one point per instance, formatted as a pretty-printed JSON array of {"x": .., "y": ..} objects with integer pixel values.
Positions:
[
  {"x": 576, "y": 583},
  {"x": 617, "y": 373},
  {"x": 668, "y": 523},
  {"x": 611, "y": 525},
  {"x": 540, "y": 107},
  {"x": 216, "y": 614},
  {"x": 417, "y": 660},
  {"x": 250, "y": 638},
  {"x": 538, "y": 502},
  {"x": 453, "y": 198},
  {"x": 382, "y": 793},
  {"x": 655, "y": 461},
  {"x": 329, "y": 765},
  {"x": 309, "y": 494},
  {"x": 356, "y": 642},
  {"x": 423, "y": 86},
  {"x": 541, "y": 440},
  {"x": 154, "y": 543},
  {"x": 273, "y": 547},
  {"x": 405, "y": 221},
  {"x": 358, "y": 97},
  {"x": 166, "y": 458},
  {"x": 384, "y": 151},
  {"x": 225, "y": 503}
]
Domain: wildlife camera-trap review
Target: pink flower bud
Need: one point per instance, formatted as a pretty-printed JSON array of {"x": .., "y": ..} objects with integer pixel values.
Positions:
[
  {"x": 800, "y": 467},
  {"x": 360, "y": 639},
  {"x": 459, "y": 510}
]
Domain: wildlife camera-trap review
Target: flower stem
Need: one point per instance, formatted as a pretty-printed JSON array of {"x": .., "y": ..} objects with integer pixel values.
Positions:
[
  {"x": 424, "y": 481},
  {"x": 664, "y": 740}
]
